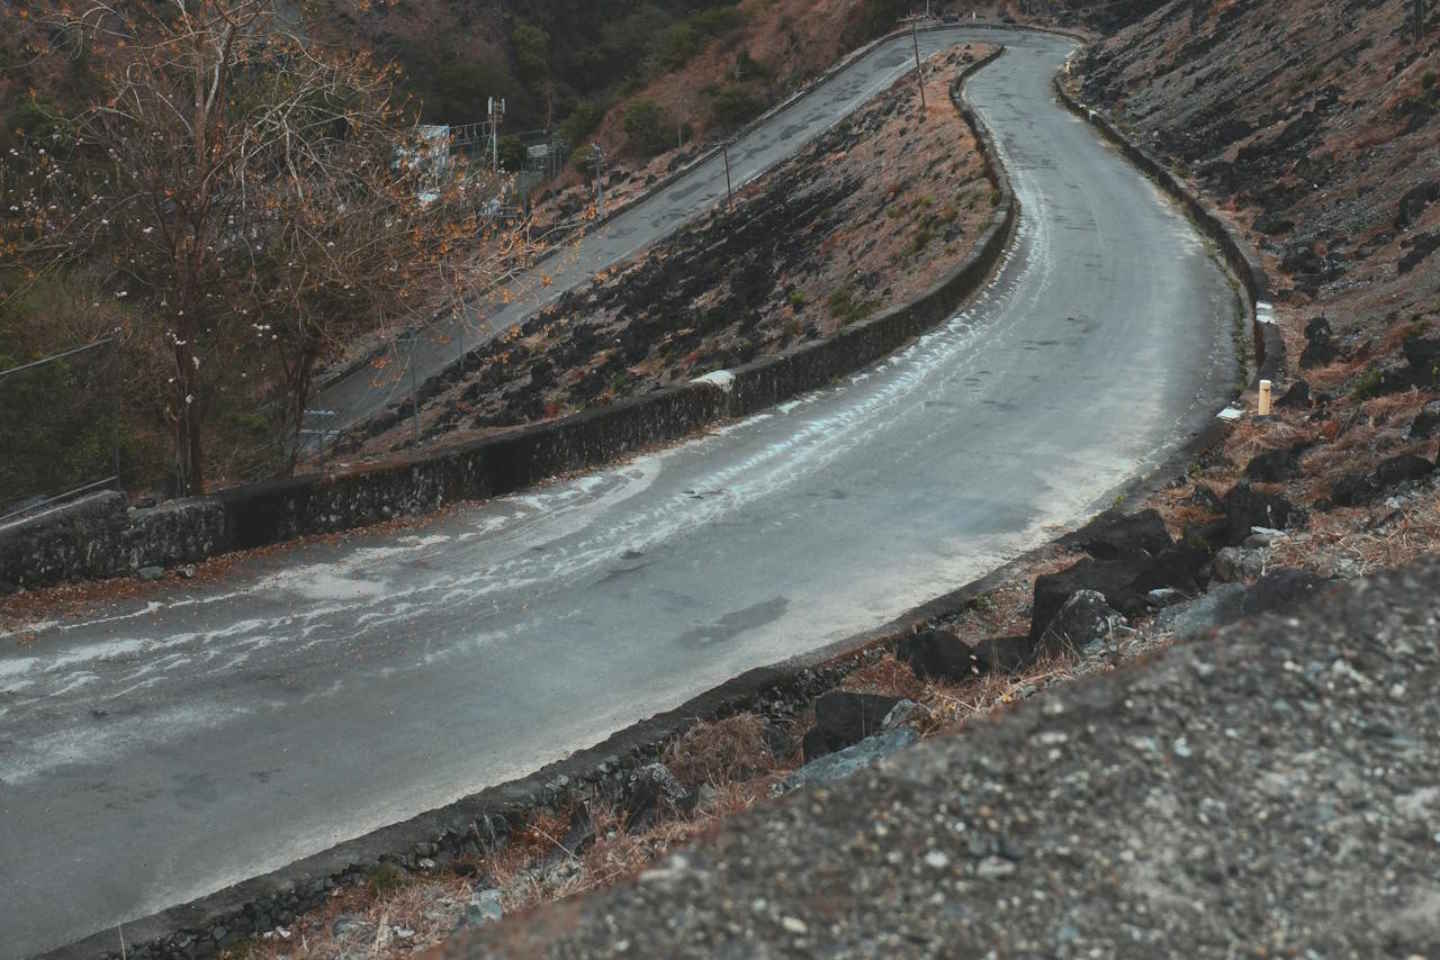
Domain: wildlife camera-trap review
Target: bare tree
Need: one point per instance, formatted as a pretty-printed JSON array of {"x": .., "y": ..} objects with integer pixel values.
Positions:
[{"x": 266, "y": 198}]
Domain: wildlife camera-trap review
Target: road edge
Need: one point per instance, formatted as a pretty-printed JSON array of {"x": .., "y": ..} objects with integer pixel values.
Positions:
[
  {"x": 1242, "y": 259},
  {"x": 179, "y": 932}
]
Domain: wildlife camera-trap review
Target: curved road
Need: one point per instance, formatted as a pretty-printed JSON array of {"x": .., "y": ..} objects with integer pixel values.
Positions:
[{"x": 161, "y": 752}]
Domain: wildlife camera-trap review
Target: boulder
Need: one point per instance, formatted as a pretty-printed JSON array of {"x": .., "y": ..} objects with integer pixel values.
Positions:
[
  {"x": 1278, "y": 591},
  {"x": 1115, "y": 580},
  {"x": 1275, "y": 466},
  {"x": 1084, "y": 622},
  {"x": 849, "y": 760},
  {"x": 939, "y": 655},
  {"x": 1208, "y": 536},
  {"x": 1414, "y": 202},
  {"x": 1423, "y": 355},
  {"x": 1296, "y": 398},
  {"x": 1246, "y": 507},
  {"x": 1113, "y": 535},
  {"x": 1402, "y": 469},
  {"x": 1234, "y": 564},
  {"x": 1352, "y": 490},
  {"x": 843, "y": 718},
  {"x": 1427, "y": 424},
  {"x": 1182, "y": 567},
  {"x": 1320, "y": 348},
  {"x": 654, "y": 792},
  {"x": 1006, "y": 654}
]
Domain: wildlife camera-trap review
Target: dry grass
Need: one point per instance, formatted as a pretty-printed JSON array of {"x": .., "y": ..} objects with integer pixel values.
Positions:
[
  {"x": 1252, "y": 437},
  {"x": 721, "y": 752},
  {"x": 1361, "y": 541}
]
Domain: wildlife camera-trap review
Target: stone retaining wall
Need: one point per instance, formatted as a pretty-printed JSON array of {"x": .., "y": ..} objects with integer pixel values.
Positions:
[{"x": 99, "y": 538}]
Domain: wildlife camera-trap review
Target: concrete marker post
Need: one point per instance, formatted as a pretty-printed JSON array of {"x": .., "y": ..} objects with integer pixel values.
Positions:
[{"x": 1265, "y": 404}]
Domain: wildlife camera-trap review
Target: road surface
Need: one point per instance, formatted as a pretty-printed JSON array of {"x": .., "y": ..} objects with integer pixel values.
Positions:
[{"x": 164, "y": 750}]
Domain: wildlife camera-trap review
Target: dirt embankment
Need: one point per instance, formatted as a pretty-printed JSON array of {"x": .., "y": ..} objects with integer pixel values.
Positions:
[{"x": 869, "y": 216}]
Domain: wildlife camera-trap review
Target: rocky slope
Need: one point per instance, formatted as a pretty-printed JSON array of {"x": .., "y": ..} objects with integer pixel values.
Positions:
[{"x": 818, "y": 243}]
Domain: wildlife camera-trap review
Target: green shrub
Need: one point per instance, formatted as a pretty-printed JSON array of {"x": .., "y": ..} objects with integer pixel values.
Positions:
[
  {"x": 677, "y": 45},
  {"x": 847, "y": 308},
  {"x": 582, "y": 121},
  {"x": 647, "y": 128},
  {"x": 734, "y": 106},
  {"x": 712, "y": 23}
]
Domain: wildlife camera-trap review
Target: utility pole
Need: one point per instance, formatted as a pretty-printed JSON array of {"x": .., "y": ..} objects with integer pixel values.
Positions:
[
  {"x": 729, "y": 192},
  {"x": 599, "y": 158},
  {"x": 497, "y": 113},
  {"x": 919, "y": 73}
]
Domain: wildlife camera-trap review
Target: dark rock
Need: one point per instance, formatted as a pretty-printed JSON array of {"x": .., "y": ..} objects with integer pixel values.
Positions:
[
  {"x": 843, "y": 718},
  {"x": 1296, "y": 398},
  {"x": 1420, "y": 250},
  {"x": 1427, "y": 424},
  {"x": 939, "y": 655},
  {"x": 1320, "y": 348},
  {"x": 1246, "y": 507},
  {"x": 1279, "y": 591},
  {"x": 1006, "y": 654},
  {"x": 150, "y": 574},
  {"x": 1318, "y": 355},
  {"x": 1423, "y": 355},
  {"x": 1352, "y": 490},
  {"x": 1181, "y": 567},
  {"x": 1415, "y": 201},
  {"x": 1085, "y": 620},
  {"x": 581, "y": 834},
  {"x": 1275, "y": 466},
  {"x": 1402, "y": 469},
  {"x": 1113, "y": 535},
  {"x": 655, "y": 793},
  {"x": 850, "y": 760},
  {"x": 1113, "y": 579},
  {"x": 1273, "y": 225}
]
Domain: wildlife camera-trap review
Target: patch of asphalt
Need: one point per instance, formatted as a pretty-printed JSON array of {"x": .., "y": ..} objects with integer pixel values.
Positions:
[{"x": 1269, "y": 792}]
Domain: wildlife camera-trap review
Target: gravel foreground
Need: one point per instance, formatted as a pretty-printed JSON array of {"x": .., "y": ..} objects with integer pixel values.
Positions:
[{"x": 1271, "y": 792}]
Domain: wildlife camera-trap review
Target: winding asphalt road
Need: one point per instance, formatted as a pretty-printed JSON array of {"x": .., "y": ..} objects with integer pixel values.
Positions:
[{"x": 160, "y": 751}]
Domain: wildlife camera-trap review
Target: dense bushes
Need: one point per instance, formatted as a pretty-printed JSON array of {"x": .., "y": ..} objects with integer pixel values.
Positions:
[{"x": 648, "y": 130}]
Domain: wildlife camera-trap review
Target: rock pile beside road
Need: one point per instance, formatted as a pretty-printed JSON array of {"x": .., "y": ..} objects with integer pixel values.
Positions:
[{"x": 1268, "y": 792}]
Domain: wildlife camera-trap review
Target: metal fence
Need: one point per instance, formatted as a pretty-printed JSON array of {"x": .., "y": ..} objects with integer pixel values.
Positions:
[{"x": 59, "y": 428}]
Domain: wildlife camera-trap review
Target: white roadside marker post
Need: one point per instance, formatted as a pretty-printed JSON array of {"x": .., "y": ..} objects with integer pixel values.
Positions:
[{"x": 1264, "y": 398}]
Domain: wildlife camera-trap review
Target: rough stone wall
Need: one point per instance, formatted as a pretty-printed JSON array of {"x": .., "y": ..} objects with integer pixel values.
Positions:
[{"x": 98, "y": 536}]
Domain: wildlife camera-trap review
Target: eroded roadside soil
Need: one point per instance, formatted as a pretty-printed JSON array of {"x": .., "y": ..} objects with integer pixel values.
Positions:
[{"x": 868, "y": 217}]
